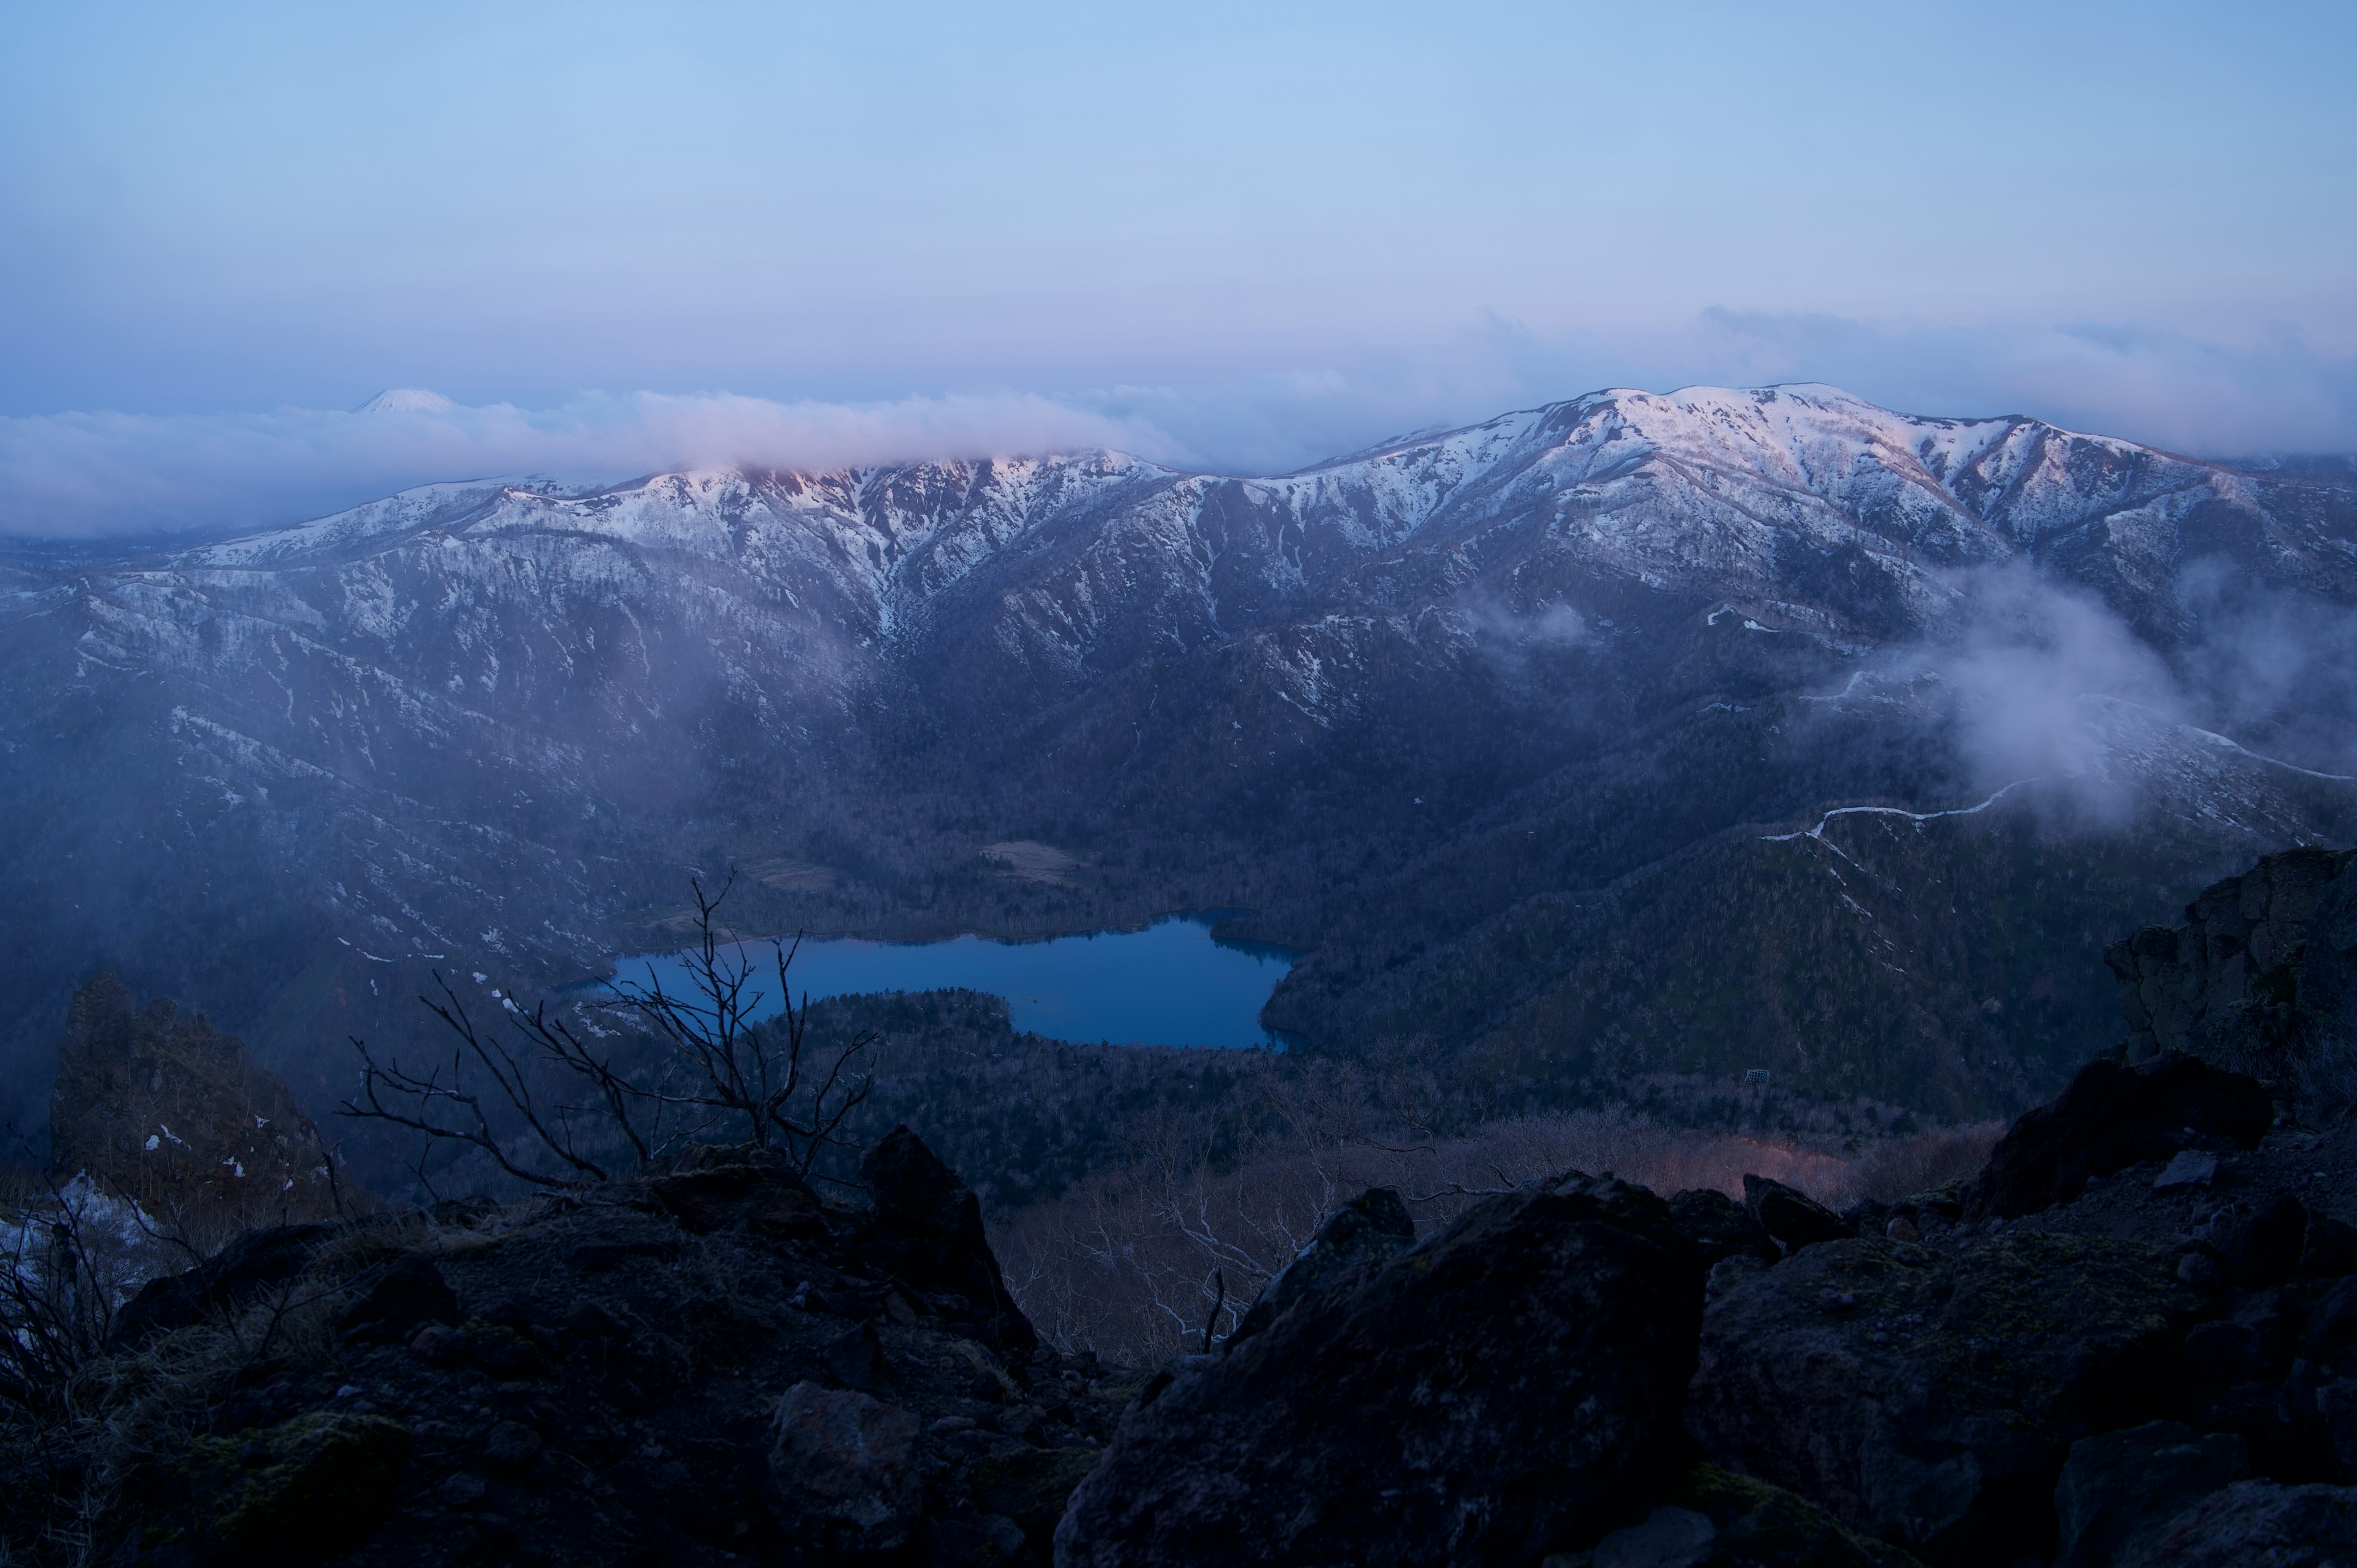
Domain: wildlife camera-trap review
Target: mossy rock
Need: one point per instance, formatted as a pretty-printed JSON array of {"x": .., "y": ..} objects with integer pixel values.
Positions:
[
  {"x": 1742, "y": 1523},
  {"x": 1030, "y": 1487},
  {"x": 297, "y": 1492},
  {"x": 1946, "y": 1200},
  {"x": 1760, "y": 1526},
  {"x": 1929, "y": 1397}
]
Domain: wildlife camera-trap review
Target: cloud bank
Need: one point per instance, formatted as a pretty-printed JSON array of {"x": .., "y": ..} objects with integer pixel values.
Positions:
[
  {"x": 92, "y": 476},
  {"x": 88, "y": 476}
]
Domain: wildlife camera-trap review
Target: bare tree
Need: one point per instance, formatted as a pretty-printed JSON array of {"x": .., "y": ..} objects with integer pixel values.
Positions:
[
  {"x": 734, "y": 1069},
  {"x": 553, "y": 1110},
  {"x": 69, "y": 1256}
]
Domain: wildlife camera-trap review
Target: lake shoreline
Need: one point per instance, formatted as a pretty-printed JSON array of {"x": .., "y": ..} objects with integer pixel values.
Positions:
[{"x": 1175, "y": 980}]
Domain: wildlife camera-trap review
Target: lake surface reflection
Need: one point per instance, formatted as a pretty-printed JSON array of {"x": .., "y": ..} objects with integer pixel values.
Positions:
[{"x": 1170, "y": 984}]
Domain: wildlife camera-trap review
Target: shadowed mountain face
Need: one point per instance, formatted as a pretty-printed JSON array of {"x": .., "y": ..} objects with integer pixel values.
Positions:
[{"x": 1529, "y": 731}]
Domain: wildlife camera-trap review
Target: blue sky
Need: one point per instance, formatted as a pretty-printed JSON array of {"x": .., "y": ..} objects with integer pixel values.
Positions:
[{"x": 1242, "y": 237}]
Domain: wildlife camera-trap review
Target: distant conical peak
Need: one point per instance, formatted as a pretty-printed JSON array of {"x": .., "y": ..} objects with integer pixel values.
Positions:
[{"x": 406, "y": 400}]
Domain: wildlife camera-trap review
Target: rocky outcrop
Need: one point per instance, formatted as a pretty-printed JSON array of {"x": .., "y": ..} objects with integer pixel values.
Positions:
[
  {"x": 2120, "y": 1491},
  {"x": 256, "y": 1262},
  {"x": 295, "y": 1492},
  {"x": 1508, "y": 1388},
  {"x": 1712, "y": 1519},
  {"x": 2260, "y": 978},
  {"x": 1371, "y": 1227},
  {"x": 844, "y": 1471},
  {"x": 2111, "y": 1117},
  {"x": 928, "y": 1226},
  {"x": 2260, "y": 1524},
  {"x": 1929, "y": 1397},
  {"x": 1792, "y": 1219},
  {"x": 171, "y": 1112},
  {"x": 705, "y": 1365}
]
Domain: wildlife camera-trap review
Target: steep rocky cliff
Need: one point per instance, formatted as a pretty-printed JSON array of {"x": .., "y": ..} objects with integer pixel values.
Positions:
[
  {"x": 2262, "y": 977},
  {"x": 168, "y": 1111}
]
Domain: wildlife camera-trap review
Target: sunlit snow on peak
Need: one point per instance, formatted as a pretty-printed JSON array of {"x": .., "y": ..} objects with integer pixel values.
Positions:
[{"x": 406, "y": 400}]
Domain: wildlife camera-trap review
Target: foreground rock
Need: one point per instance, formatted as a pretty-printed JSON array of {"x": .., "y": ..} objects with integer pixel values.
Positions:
[
  {"x": 1929, "y": 1398},
  {"x": 707, "y": 1366},
  {"x": 1710, "y": 1519},
  {"x": 2111, "y": 1117},
  {"x": 928, "y": 1230},
  {"x": 2260, "y": 1524},
  {"x": 1510, "y": 1387},
  {"x": 2120, "y": 1491},
  {"x": 2261, "y": 979},
  {"x": 309, "y": 1486},
  {"x": 171, "y": 1112},
  {"x": 1372, "y": 1228}
]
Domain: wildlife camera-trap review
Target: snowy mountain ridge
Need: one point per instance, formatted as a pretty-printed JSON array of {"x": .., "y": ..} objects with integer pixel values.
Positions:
[
  {"x": 1454, "y": 684},
  {"x": 1705, "y": 484}
]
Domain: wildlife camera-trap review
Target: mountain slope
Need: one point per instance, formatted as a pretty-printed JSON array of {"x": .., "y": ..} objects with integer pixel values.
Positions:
[{"x": 1427, "y": 709}]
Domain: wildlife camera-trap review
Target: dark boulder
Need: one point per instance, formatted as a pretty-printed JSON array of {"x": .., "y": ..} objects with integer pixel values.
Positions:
[
  {"x": 1713, "y": 1519},
  {"x": 1509, "y": 1387},
  {"x": 2331, "y": 1329},
  {"x": 2120, "y": 1490},
  {"x": 929, "y": 1232},
  {"x": 1930, "y": 1398},
  {"x": 844, "y": 1471},
  {"x": 2261, "y": 1524},
  {"x": 2262, "y": 1249},
  {"x": 252, "y": 1263},
  {"x": 406, "y": 1297},
  {"x": 2224, "y": 1354},
  {"x": 1720, "y": 1228},
  {"x": 2111, "y": 1117},
  {"x": 2331, "y": 1247},
  {"x": 1793, "y": 1217},
  {"x": 1372, "y": 1227},
  {"x": 2336, "y": 1411},
  {"x": 707, "y": 1187},
  {"x": 295, "y": 1493},
  {"x": 854, "y": 1359},
  {"x": 1030, "y": 1486}
]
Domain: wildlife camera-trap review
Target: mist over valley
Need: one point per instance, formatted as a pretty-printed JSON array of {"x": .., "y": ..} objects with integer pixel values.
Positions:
[{"x": 1624, "y": 745}]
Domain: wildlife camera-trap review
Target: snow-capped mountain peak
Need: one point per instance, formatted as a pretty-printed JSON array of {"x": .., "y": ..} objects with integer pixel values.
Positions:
[{"x": 406, "y": 400}]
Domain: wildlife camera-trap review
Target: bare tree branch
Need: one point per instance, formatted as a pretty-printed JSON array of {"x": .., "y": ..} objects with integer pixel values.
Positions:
[{"x": 720, "y": 1068}]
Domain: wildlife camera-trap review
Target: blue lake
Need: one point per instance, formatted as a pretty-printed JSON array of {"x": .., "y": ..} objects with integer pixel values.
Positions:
[{"x": 1170, "y": 984}]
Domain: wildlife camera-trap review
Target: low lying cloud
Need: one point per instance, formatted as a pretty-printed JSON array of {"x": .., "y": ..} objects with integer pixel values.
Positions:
[
  {"x": 2031, "y": 657},
  {"x": 2043, "y": 681},
  {"x": 85, "y": 475},
  {"x": 1512, "y": 637},
  {"x": 2162, "y": 388},
  {"x": 2276, "y": 666}
]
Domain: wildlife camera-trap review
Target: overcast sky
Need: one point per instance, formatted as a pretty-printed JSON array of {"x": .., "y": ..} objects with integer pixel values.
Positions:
[{"x": 1239, "y": 237}]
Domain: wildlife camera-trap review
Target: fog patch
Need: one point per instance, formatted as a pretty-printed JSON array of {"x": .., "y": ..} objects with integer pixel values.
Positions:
[
  {"x": 2275, "y": 667},
  {"x": 1510, "y": 636},
  {"x": 2041, "y": 681},
  {"x": 2029, "y": 685}
]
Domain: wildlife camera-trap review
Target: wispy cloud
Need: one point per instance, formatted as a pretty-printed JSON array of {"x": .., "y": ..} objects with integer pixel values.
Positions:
[
  {"x": 2029, "y": 680},
  {"x": 2163, "y": 387},
  {"x": 82, "y": 476}
]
